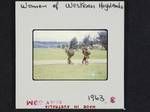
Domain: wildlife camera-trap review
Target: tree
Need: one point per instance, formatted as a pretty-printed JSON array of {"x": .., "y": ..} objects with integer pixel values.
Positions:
[
  {"x": 63, "y": 46},
  {"x": 73, "y": 43},
  {"x": 102, "y": 39},
  {"x": 87, "y": 41}
]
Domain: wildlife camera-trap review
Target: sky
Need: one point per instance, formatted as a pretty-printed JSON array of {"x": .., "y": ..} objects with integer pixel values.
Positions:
[{"x": 62, "y": 35}]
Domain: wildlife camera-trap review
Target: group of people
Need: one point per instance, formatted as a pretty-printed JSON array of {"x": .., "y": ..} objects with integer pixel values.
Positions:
[{"x": 85, "y": 51}]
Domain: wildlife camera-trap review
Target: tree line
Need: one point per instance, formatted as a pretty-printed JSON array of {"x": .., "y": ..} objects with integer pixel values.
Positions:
[{"x": 91, "y": 42}]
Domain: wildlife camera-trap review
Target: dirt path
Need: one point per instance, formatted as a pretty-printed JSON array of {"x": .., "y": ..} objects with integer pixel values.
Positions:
[{"x": 75, "y": 61}]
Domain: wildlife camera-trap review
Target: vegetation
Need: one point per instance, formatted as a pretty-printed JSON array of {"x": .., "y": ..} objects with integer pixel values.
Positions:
[
  {"x": 65, "y": 71},
  {"x": 91, "y": 71},
  {"x": 59, "y": 54}
]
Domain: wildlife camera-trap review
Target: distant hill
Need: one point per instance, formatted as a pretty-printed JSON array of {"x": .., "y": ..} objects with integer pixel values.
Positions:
[{"x": 48, "y": 44}]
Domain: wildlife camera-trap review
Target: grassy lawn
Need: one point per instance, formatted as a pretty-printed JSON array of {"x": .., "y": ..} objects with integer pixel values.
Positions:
[
  {"x": 65, "y": 71},
  {"x": 59, "y": 54},
  {"x": 91, "y": 71}
]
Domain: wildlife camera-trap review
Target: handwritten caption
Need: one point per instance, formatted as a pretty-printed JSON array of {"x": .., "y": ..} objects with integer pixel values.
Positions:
[
  {"x": 106, "y": 6},
  {"x": 55, "y": 104},
  {"x": 92, "y": 100}
]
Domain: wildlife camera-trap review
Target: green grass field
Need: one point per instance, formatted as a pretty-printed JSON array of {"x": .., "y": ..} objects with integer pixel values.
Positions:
[
  {"x": 59, "y": 54},
  {"x": 65, "y": 71},
  {"x": 91, "y": 71}
]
